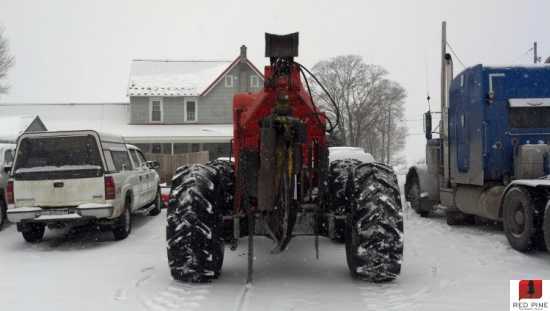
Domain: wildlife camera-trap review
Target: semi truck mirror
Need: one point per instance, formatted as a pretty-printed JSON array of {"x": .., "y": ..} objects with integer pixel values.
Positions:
[{"x": 428, "y": 125}]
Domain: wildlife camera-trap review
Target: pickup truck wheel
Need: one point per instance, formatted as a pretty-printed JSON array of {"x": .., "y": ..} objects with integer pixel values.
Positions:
[
  {"x": 194, "y": 230},
  {"x": 2, "y": 213},
  {"x": 374, "y": 225},
  {"x": 158, "y": 205},
  {"x": 518, "y": 216},
  {"x": 123, "y": 225},
  {"x": 33, "y": 232}
]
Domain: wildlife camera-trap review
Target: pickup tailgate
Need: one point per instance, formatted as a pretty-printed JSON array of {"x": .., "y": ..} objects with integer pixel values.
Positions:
[
  {"x": 59, "y": 192},
  {"x": 58, "y": 169}
]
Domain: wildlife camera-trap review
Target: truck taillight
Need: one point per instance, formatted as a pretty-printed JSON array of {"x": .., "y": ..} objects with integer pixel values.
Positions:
[
  {"x": 9, "y": 193},
  {"x": 109, "y": 188}
]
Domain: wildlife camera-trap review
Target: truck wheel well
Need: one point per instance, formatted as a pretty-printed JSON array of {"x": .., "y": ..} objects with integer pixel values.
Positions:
[
  {"x": 129, "y": 197},
  {"x": 538, "y": 194}
]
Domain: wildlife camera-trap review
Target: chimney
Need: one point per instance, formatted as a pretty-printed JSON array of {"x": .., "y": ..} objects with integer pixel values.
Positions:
[{"x": 243, "y": 51}]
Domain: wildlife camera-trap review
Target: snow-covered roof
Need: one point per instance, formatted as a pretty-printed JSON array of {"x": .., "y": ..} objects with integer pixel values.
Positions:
[
  {"x": 173, "y": 77},
  {"x": 11, "y": 126},
  {"x": 114, "y": 118},
  {"x": 342, "y": 153}
]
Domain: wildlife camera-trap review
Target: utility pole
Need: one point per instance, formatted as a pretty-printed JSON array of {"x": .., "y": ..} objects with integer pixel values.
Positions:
[
  {"x": 444, "y": 106},
  {"x": 536, "y": 57}
]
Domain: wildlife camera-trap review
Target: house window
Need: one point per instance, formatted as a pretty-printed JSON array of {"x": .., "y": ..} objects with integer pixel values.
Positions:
[
  {"x": 161, "y": 148},
  {"x": 254, "y": 81},
  {"x": 181, "y": 148},
  {"x": 156, "y": 148},
  {"x": 230, "y": 80},
  {"x": 155, "y": 108},
  {"x": 191, "y": 111}
]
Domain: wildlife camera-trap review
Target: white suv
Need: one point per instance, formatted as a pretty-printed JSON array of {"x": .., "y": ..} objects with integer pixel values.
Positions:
[{"x": 71, "y": 177}]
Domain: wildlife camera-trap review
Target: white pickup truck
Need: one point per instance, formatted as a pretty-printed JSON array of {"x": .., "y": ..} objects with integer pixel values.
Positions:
[
  {"x": 74, "y": 177},
  {"x": 6, "y": 159}
]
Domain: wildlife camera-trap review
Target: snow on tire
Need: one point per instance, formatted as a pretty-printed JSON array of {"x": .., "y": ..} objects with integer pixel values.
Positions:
[
  {"x": 374, "y": 225},
  {"x": 226, "y": 181},
  {"x": 340, "y": 190},
  {"x": 195, "y": 225}
]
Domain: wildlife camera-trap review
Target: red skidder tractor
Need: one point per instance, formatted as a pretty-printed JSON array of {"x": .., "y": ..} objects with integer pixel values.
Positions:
[{"x": 281, "y": 184}]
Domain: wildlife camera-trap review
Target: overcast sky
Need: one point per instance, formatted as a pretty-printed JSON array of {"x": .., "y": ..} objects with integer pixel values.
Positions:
[{"x": 80, "y": 51}]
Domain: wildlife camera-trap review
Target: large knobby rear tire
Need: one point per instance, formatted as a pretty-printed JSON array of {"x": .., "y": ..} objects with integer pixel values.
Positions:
[
  {"x": 340, "y": 188},
  {"x": 226, "y": 173},
  {"x": 194, "y": 231},
  {"x": 521, "y": 219},
  {"x": 226, "y": 182},
  {"x": 374, "y": 225}
]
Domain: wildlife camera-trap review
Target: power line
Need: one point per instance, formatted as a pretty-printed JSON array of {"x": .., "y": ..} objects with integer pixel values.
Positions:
[
  {"x": 456, "y": 55},
  {"x": 523, "y": 54}
]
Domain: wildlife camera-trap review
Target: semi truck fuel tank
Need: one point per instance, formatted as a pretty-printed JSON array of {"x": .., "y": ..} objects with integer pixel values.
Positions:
[{"x": 531, "y": 161}]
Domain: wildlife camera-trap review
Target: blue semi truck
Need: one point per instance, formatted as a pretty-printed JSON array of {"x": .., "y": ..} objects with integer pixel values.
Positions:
[{"x": 491, "y": 159}]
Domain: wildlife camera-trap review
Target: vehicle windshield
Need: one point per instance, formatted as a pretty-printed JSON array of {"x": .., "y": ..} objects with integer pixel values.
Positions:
[{"x": 57, "y": 153}]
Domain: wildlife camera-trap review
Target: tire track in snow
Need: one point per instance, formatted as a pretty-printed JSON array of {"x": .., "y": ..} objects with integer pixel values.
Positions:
[
  {"x": 177, "y": 297},
  {"x": 242, "y": 301}
]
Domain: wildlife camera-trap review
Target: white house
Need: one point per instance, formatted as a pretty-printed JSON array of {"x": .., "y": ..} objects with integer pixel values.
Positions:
[{"x": 175, "y": 106}]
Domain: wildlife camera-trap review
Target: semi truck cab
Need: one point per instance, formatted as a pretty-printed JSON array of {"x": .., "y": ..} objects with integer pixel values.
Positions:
[{"x": 491, "y": 157}]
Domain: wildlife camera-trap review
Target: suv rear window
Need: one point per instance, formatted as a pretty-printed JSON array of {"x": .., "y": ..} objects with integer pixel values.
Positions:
[{"x": 58, "y": 157}]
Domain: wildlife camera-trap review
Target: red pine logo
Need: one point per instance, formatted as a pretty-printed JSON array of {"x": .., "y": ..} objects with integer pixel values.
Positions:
[{"x": 530, "y": 289}]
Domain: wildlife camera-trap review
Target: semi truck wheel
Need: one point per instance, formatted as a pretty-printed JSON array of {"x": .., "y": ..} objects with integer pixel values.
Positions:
[
  {"x": 194, "y": 230},
  {"x": 518, "y": 216},
  {"x": 374, "y": 225},
  {"x": 340, "y": 189},
  {"x": 33, "y": 232},
  {"x": 414, "y": 198}
]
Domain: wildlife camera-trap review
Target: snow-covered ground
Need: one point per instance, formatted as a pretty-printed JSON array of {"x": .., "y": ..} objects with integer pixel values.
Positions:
[{"x": 445, "y": 268}]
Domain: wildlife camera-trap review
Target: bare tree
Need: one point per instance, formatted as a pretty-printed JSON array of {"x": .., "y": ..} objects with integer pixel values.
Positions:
[
  {"x": 370, "y": 105},
  {"x": 6, "y": 61}
]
